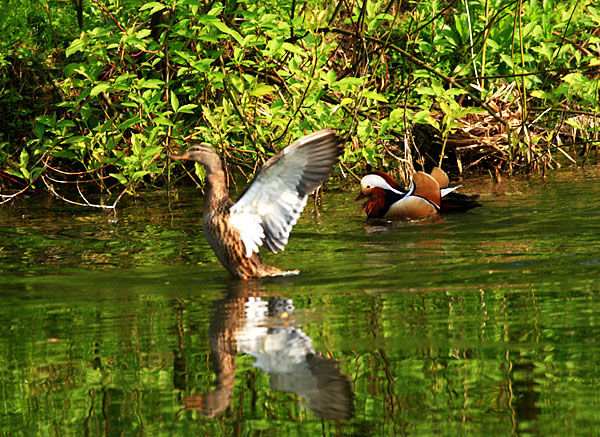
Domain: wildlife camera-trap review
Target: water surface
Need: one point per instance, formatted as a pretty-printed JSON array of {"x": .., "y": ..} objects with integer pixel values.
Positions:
[{"x": 484, "y": 322}]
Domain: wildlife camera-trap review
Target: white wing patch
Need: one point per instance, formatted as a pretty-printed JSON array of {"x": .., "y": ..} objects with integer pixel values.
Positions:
[
  {"x": 446, "y": 191},
  {"x": 249, "y": 227}
]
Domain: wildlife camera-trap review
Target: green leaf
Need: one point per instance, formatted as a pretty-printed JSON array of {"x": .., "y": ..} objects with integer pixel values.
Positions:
[
  {"x": 576, "y": 79},
  {"x": 216, "y": 9},
  {"x": 46, "y": 121},
  {"x": 163, "y": 121},
  {"x": 65, "y": 123},
  {"x": 348, "y": 83},
  {"x": 454, "y": 92},
  {"x": 143, "y": 33},
  {"x": 151, "y": 83},
  {"x": 375, "y": 96},
  {"x": 15, "y": 173},
  {"x": 293, "y": 48},
  {"x": 425, "y": 90},
  {"x": 156, "y": 6},
  {"x": 39, "y": 129},
  {"x": 225, "y": 29},
  {"x": 174, "y": 101},
  {"x": 396, "y": 115},
  {"x": 24, "y": 159},
  {"x": 574, "y": 123},
  {"x": 150, "y": 152},
  {"x": 507, "y": 60},
  {"x": 120, "y": 177},
  {"x": 139, "y": 174},
  {"x": 330, "y": 77},
  {"x": 421, "y": 116},
  {"x": 100, "y": 88},
  {"x": 76, "y": 46},
  {"x": 262, "y": 90},
  {"x": 129, "y": 122},
  {"x": 187, "y": 109},
  {"x": 25, "y": 173},
  {"x": 64, "y": 154}
]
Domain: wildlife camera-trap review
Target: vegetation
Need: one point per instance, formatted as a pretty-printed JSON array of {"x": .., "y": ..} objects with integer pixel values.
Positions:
[{"x": 97, "y": 93}]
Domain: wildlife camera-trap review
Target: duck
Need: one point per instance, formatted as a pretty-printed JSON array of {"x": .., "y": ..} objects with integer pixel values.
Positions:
[
  {"x": 270, "y": 205},
  {"x": 428, "y": 195}
]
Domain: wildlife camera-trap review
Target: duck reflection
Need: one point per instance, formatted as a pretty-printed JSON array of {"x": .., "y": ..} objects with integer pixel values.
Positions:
[{"x": 264, "y": 328}]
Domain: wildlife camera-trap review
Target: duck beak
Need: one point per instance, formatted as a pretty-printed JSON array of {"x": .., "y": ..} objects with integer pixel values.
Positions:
[
  {"x": 177, "y": 156},
  {"x": 360, "y": 196}
]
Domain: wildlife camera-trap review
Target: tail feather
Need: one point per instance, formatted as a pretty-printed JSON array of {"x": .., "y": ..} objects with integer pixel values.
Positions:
[{"x": 457, "y": 202}]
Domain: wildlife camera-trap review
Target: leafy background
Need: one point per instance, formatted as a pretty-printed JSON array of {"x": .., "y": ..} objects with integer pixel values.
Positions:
[{"x": 96, "y": 94}]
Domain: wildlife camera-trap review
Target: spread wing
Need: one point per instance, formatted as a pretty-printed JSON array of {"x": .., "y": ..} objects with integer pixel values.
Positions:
[{"x": 271, "y": 204}]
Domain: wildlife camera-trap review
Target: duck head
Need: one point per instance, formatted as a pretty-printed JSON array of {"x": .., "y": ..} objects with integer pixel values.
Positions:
[
  {"x": 374, "y": 181},
  {"x": 201, "y": 153}
]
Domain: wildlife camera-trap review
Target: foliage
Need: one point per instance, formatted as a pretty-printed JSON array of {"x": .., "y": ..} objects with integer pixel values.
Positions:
[{"x": 248, "y": 77}]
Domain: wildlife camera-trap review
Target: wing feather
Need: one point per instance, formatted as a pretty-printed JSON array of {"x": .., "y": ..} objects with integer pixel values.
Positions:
[{"x": 272, "y": 203}]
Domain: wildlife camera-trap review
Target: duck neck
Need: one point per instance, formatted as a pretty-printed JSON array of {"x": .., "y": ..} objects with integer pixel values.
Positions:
[{"x": 216, "y": 192}]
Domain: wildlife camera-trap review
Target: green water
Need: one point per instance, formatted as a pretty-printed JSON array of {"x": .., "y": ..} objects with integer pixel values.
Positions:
[{"x": 482, "y": 323}]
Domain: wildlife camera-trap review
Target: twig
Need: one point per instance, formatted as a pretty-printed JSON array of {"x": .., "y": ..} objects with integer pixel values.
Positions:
[{"x": 87, "y": 203}]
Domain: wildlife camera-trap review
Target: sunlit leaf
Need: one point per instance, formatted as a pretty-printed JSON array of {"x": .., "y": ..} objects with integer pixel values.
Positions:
[
  {"x": 100, "y": 88},
  {"x": 163, "y": 121},
  {"x": 174, "y": 101},
  {"x": 375, "y": 96},
  {"x": 187, "y": 109},
  {"x": 151, "y": 83},
  {"x": 262, "y": 90},
  {"x": 154, "y": 6},
  {"x": 225, "y": 29}
]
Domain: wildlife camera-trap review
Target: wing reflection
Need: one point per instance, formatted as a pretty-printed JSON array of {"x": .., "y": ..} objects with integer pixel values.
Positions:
[{"x": 263, "y": 328}]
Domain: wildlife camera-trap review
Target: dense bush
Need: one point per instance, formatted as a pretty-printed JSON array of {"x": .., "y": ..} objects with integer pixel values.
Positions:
[{"x": 109, "y": 102}]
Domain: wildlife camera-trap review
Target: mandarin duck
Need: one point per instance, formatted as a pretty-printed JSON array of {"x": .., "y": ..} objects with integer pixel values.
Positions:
[
  {"x": 428, "y": 194},
  {"x": 270, "y": 205}
]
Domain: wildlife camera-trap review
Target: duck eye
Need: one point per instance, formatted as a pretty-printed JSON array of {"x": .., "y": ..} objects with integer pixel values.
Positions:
[{"x": 368, "y": 186}]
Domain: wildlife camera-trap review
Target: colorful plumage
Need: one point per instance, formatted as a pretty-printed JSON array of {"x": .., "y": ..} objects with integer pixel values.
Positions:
[
  {"x": 269, "y": 206},
  {"x": 428, "y": 194}
]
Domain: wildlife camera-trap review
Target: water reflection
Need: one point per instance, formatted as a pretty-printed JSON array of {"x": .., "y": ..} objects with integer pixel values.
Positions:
[{"x": 264, "y": 328}]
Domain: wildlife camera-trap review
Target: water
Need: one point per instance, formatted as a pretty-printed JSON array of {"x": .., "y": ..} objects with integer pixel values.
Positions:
[{"x": 484, "y": 322}]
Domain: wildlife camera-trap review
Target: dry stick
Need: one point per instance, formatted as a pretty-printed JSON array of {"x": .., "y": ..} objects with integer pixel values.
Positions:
[
  {"x": 561, "y": 70},
  {"x": 359, "y": 36},
  {"x": 471, "y": 42},
  {"x": 88, "y": 181},
  {"x": 168, "y": 96},
  {"x": 9, "y": 197},
  {"x": 53, "y": 33},
  {"x": 564, "y": 35},
  {"x": 87, "y": 203},
  {"x": 523, "y": 90},
  {"x": 484, "y": 45},
  {"x": 349, "y": 171},
  {"x": 474, "y": 56},
  {"x": 409, "y": 137},
  {"x": 484, "y": 35}
]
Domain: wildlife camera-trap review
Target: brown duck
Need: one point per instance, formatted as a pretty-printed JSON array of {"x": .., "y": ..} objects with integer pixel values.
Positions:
[{"x": 269, "y": 206}]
